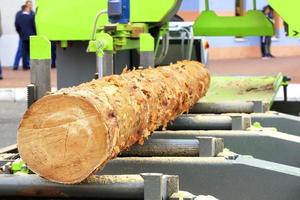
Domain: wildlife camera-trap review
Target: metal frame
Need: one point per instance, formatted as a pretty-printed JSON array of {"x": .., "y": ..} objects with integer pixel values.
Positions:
[
  {"x": 266, "y": 144},
  {"x": 145, "y": 186},
  {"x": 243, "y": 178}
]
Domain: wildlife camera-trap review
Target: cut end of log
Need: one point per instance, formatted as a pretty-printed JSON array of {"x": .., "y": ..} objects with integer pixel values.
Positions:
[{"x": 63, "y": 133}]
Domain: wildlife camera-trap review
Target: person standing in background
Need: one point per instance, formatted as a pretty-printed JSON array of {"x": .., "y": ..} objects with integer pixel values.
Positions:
[
  {"x": 25, "y": 26},
  {"x": 18, "y": 55},
  {"x": 265, "y": 41},
  {"x": 30, "y": 6},
  {"x": 1, "y": 31}
]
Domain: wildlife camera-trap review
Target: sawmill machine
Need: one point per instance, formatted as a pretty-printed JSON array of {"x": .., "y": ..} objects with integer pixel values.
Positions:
[
  {"x": 101, "y": 36},
  {"x": 131, "y": 33},
  {"x": 119, "y": 32}
]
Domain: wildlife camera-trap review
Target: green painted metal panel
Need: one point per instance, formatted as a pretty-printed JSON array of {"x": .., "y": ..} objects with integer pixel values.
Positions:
[
  {"x": 146, "y": 43},
  {"x": 61, "y": 20},
  {"x": 289, "y": 11},
  {"x": 150, "y": 10},
  {"x": 254, "y": 23},
  {"x": 40, "y": 48},
  {"x": 239, "y": 88}
]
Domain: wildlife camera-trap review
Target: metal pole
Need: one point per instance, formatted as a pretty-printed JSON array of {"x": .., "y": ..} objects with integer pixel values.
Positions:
[
  {"x": 105, "y": 64},
  {"x": 285, "y": 92},
  {"x": 254, "y": 5},
  {"x": 108, "y": 63},
  {"x": 206, "y": 5},
  {"x": 40, "y": 76},
  {"x": 147, "y": 59},
  {"x": 31, "y": 94}
]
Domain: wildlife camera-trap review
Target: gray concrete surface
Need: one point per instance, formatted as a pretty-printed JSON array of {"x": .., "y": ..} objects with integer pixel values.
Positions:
[{"x": 10, "y": 115}]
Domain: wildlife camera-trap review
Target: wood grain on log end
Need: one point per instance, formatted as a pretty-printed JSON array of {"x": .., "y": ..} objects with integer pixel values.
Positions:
[{"x": 63, "y": 133}]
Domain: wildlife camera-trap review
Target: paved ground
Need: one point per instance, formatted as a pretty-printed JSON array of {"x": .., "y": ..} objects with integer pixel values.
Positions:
[
  {"x": 10, "y": 115},
  {"x": 20, "y": 78}
]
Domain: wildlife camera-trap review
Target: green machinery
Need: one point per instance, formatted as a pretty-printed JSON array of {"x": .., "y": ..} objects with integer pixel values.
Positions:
[
  {"x": 253, "y": 23},
  {"x": 289, "y": 11},
  {"x": 109, "y": 28},
  {"x": 140, "y": 26},
  {"x": 144, "y": 24},
  {"x": 113, "y": 26}
]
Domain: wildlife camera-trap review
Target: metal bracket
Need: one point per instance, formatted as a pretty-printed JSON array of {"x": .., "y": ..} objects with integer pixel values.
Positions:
[
  {"x": 40, "y": 77},
  {"x": 31, "y": 94},
  {"x": 158, "y": 186},
  {"x": 105, "y": 64},
  {"x": 258, "y": 107},
  {"x": 240, "y": 122},
  {"x": 147, "y": 59},
  {"x": 210, "y": 146}
]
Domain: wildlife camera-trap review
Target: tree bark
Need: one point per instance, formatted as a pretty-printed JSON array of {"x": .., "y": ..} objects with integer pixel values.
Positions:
[{"x": 69, "y": 134}]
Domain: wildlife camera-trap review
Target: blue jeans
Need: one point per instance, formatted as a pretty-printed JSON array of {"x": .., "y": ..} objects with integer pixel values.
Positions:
[
  {"x": 25, "y": 54},
  {"x": 18, "y": 55}
]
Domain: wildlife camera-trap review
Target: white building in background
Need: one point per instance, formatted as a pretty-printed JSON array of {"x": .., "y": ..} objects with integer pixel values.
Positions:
[{"x": 9, "y": 39}]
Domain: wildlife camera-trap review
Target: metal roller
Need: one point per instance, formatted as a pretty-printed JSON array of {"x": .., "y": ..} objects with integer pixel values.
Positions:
[
  {"x": 107, "y": 187},
  {"x": 200, "y": 122},
  {"x": 162, "y": 147},
  {"x": 228, "y": 107}
]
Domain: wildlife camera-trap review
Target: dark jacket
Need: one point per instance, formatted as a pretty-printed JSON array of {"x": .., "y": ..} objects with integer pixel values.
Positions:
[
  {"x": 16, "y": 26},
  {"x": 18, "y": 15},
  {"x": 25, "y": 25}
]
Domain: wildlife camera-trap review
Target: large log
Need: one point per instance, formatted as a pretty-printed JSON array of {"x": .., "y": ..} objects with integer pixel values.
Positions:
[{"x": 69, "y": 134}]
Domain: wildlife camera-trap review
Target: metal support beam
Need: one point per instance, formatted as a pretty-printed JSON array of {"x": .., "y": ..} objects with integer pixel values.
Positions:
[
  {"x": 105, "y": 64},
  {"x": 210, "y": 146},
  {"x": 107, "y": 187},
  {"x": 240, "y": 122},
  {"x": 282, "y": 122},
  {"x": 40, "y": 76},
  {"x": 258, "y": 107},
  {"x": 147, "y": 59},
  {"x": 267, "y": 145},
  {"x": 242, "y": 178},
  {"x": 108, "y": 63},
  {"x": 31, "y": 94},
  {"x": 146, "y": 50},
  {"x": 40, "y": 62},
  {"x": 153, "y": 186}
]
